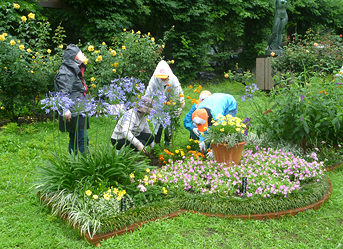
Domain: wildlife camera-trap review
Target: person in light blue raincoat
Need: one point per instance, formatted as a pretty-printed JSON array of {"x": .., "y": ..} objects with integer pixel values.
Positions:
[
  {"x": 188, "y": 123},
  {"x": 210, "y": 108}
]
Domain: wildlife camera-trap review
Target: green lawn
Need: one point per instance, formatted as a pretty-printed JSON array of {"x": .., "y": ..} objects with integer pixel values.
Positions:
[{"x": 25, "y": 223}]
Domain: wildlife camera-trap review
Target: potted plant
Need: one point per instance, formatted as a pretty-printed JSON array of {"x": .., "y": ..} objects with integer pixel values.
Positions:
[{"x": 227, "y": 136}]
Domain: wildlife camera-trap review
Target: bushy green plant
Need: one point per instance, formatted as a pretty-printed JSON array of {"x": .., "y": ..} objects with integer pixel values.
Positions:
[
  {"x": 302, "y": 112},
  {"x": 239, "y": 75},
  {"x": 312, "y": 53}
]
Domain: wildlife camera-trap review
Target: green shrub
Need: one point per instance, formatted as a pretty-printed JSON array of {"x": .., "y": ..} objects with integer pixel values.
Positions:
[
  {"x": 303, "y": 112},
  {"x": 314, "y": 53}
]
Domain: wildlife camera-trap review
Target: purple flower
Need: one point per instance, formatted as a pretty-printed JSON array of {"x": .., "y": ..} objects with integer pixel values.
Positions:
[
  {"x": 246, "y": 120},
  {"x": 302, "y": 97},
  {"x": 301, "y": 118}
]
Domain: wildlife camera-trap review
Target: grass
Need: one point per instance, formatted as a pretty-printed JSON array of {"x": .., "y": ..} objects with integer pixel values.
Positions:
[{"x": 25, "y": 223}]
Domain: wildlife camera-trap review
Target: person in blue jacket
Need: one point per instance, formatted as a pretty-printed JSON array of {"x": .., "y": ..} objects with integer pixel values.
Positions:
[
  {"x": 188, "y": 123},
  {"x": 210, "y": 108}
]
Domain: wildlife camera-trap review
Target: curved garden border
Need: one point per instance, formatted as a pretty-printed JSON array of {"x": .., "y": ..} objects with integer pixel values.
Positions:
[{"x": 276, "y": 215}]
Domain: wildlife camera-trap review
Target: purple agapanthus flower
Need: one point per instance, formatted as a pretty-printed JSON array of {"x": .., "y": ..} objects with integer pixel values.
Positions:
[{"x": 302, "y": 97}]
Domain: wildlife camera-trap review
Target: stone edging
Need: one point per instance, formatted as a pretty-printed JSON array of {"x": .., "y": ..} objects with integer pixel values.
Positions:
[{"x": 277, "y": 215}]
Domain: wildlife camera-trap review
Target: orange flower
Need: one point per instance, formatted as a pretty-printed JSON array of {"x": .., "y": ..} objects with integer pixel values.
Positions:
[
  {"x": 168, "y": 85},
  {"x": 188, "y": 97},
  {"x": 198, "y": 91},
  {"x": 181, "y": 95},
  {"x": 320, "y": 91},
  {"x": 168, "y": 90},
  {"x": 200, "y": 87},
  {"x": 172, "y": 154},
  {"x": 190, "y": 86},
  {"x": 166, "y": 151},
  {"x": 164, "y": 162},
  {"x": 339, "y": 86},
  {"x": 325, "y": 93},
  {"x": 209, "y": 150}
]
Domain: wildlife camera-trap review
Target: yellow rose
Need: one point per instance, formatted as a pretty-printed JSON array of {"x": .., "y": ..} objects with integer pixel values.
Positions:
[
  {"x": 113, "y": 52},
  {"x": 21, "y": 47},
  {"x": 188, "y": 147},
  {"x": 124, "y": 30},
  {"x": 2, "y": 37},
  {"x": 31, "y": 15},
  {"x": 138, "y": 32},
  {"x": 28, "y": 50},
  {"x": 172, "y": 61},
  {"x": 99, "y": 58},
  {"x": 16, "y": 6},
  {"x": 23, "y": 18},
  {"x": 114, "y": 70},
  {"x": 116, "y": 64},
  {"x": 48, "y": 51},
  {"x": 60, "y": 46},
  {"x": 148, "y": 33},
  {"x": 123, "y": 47},
  {"x": 103, "y": 43},
  {"x": 162, "y": 45},
  {"x": 93, "y": 86},
  {"x": 90, "y": 48},
  {"x": 153, "y": 39}
]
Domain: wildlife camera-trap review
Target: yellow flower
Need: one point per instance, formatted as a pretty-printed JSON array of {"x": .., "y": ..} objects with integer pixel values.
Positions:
[
  {"x": 147, "y": 170},
  {"x": 272, "y": 54},
  {"x": 2, "y": 37},
  {"x": 18, "y": 41},
  {"x": 16, "y": 6},
  {"x": 103, "y": 43},
  {"x": 172, "y": 61},
  {"x": 124, "y": 30},
  {"x": 306, "y": 84},
  {"x": 12, "y": 42},
  {"x": 23, "y": 18},
  {"x": 60, "y": 46},
  {"x": 95, "y": 197},
  {"x": 138, "y": 32},
  {"x": 5, "y": 68},
  {"x": 92, "y": 79},
  {"x": 21, "y": 47},
  {"x": 315, "y": 44},
  {"x": 48, "y": 51},
  {"x": 190, "y": 139},
  {"x": 205, "y": 128},
  {"x": 116, "y": 64},
  {"x": 28, "y": 50},
  {"x": 32, "y": 71},
  {"x": 107, "y": 196},
  {"x": 188, "y": 147},
  {"x": 224, "y": 123},
  {"x": 307, "y": 51},
  {"x": 132, "y": 176},
  {"x": 114, "y": 70},
  {"x": 31, "y": 15},
  {"x": 99, "y": 58},
  {"x": 196, "y": 141},
  {"x": 113, "y": 52},
  {"x": 162, "y": 45},
  {"x": 238, "y": 129},
  {"x": 123, "y": 47},
  {"x": 148, "y": 33},
  {"x": 177, "y": 151},
  {"x": 93, "y": 86},
  {"x": 88, "y": 192},
  {"x": 90, "y": 48},
  {"x": 174, "y": 103},
  {"x": 2, "y": 108},
  {"x": 153, "y": 39},
  {"x": 222, "y": 129}
]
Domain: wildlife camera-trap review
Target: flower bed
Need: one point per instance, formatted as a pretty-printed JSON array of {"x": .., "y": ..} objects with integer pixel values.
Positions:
[{"x": 274, "y": 181}]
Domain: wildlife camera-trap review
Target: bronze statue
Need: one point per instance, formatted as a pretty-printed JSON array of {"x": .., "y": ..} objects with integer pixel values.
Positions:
[{"x": 280, "y": 21}]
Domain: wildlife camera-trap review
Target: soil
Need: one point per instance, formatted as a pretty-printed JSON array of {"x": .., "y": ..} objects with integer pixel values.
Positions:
[{"x": 154, "y": 161}]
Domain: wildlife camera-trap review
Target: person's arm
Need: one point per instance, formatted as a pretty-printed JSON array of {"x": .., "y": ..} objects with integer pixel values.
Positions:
[
  {"x": 187, "y": 122},
  {"x": 128, "y": 121}
]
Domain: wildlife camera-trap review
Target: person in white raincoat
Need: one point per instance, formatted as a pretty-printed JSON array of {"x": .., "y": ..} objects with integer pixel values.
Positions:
[{"x": 164, "y": 80}]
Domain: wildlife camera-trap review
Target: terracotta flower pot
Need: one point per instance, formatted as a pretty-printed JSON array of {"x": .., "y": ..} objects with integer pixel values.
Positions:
[{"x": 223, "y": 154}]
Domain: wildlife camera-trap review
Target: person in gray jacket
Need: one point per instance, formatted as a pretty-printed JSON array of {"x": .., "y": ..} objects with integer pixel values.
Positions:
[
  {"x": 69, "y": 81},
  {"x": 133, "y": 129}
]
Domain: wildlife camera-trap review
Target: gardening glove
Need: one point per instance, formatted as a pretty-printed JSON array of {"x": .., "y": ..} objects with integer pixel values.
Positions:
[
  {"x": 196, "y": 132},
  {"x": 66, "y": 115},
  {"x": 152, "y": 145},
  {"x": 210, "y": 155},
  {"x": 202, "y": 146},
  {"x": 140, "y": 146}
]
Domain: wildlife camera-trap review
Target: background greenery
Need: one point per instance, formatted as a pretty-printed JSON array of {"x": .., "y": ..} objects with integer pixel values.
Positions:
[{"x": 25, "y": 223}]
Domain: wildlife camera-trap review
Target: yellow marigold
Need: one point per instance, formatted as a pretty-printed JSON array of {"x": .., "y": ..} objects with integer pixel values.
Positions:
[
  {"x": 177, "y": 151},
  {"x": 190, "y": 86},
  {"x": 21, "y": 47},
  {"x": 188, "y": 147},
  {"x": 92, "y": 79},
  {"x": 200, "y": 87},
  {"x": 88, "y": 192},
  {"x": 168, "y": 103},
  {"x": 123, "y": 47},
  {"x": 90, "y": 48},
  {"x": 188, "y": 97},
  {"x": 16, "y": 6},
  {"x": 23, "y": 18},
  {"x": 99, "y": 58},
  {"x": 114, "y": 70},
  {"x": 12, "y": 42},
  {"x": 174, "y": 103},
  {"x": 31, "y": 15},
  {"x": 116, "y": 64},
  {"x": 93, "y": 85}
]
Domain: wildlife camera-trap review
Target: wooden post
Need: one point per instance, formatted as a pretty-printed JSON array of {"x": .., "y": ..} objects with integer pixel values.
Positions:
[{"x": 264, "y": 79}]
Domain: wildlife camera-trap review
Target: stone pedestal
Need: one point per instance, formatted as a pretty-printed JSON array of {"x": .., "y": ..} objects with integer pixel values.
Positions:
[{"x": 264, "y": 79}]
